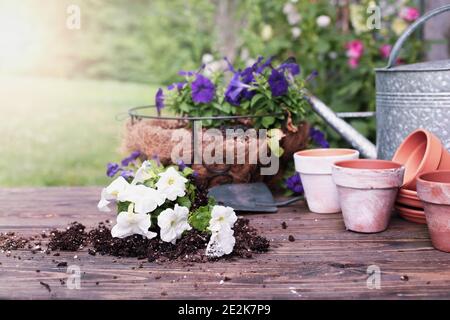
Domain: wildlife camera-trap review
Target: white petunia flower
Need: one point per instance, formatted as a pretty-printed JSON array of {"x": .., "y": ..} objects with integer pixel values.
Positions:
[
  {"x": 173, "y": 222},
  {"x": 221, "y": 243},
  {"x": 171, "y": 184},
  {"x": 145, "y": 199},
  {"x": 129, "y": 223},
  {"x": 111, "y": 192},
  {"x": 222, "y": 218},
  {"x": 143, "y": 173},
  {"x": 323, "y": 21}
]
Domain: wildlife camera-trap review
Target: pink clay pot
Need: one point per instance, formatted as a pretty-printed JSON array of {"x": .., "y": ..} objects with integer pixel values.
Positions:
[
  {"x": 433, "y": 188},
  {"x": 314, "y": 166},
  {"x": 367, "y": 191},
  {"x": 421, "y": 151},
  {"x": 445, "y": 161}
]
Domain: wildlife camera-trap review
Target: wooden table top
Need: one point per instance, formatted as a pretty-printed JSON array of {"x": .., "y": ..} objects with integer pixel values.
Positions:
[{"x": 324, "y": 262}]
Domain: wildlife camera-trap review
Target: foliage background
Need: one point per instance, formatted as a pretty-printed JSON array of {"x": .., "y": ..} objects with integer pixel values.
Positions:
[{"x": 61, "y": 126}]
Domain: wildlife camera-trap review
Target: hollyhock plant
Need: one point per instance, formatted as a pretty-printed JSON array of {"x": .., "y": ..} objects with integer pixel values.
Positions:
[
  {"x": 409, "y": 14},
  {"x": 355, "y": 50},
  {"x": 385, "y": 50}
]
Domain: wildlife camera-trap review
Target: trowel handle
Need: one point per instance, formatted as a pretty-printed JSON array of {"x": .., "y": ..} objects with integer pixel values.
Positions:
[
  {"x": 288, "y": 201},
  {"x": 398, "y": 45}
]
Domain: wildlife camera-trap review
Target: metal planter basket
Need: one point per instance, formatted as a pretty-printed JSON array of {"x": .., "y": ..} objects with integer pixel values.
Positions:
[{"x": 153, "y": 136}]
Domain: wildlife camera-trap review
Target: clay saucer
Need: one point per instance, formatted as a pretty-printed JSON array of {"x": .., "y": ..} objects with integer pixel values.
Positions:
[
  {"x": 413, "y": 215},
  {"x": 408, "y": 193},
  {"x": 410, "y": 202},
  {"x": 421, "y": 151}
]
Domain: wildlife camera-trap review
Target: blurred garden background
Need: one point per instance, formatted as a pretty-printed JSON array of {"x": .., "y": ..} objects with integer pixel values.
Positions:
[{"x": 64, "y": 91}]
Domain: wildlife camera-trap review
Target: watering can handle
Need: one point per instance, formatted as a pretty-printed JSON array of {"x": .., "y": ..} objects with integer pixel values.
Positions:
[{"x": 398, "y": 45}]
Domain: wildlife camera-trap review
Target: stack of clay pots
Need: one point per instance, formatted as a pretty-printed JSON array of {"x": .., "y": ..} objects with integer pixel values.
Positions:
[
  {"x": 420, "y": 152},
  {"x": 416, "y": 181},
  {"x": 334, "y": 180}
]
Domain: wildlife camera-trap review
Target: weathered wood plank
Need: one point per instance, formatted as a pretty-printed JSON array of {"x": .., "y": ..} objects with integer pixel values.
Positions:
[{"x": 325, "y": 260}]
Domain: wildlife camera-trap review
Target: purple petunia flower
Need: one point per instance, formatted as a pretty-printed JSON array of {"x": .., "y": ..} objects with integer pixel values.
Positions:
[
  {"x": 235, "y": 90},
  {"x": 159, "y": 100},
  {"x": 126, "y": 174},
  {"x": 178, "y": 85},
  {"x": 260, "y": 69},
  {"x": 291, "y": 67},
  {"x": 278, "y": 83},
  {"x": 181, "y": 165},
  {"x": 203, "y": 89},
  {"x": 112, "y": 169},
  {"x": 294, "y": 183},
  {"x": 155, "y": 157},
  {"x": 318, "y": 137},
  {"x": 133, "y": 156},
  {"x": 186, "y": 73}
]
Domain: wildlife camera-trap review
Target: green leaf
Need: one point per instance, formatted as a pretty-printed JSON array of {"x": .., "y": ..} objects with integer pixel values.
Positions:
[
  {"x": 122, "y": 206},
  {"x": 268, "y": 121},
  {"x": 184, "y": 202},
  {"x": 199, "y": 219}
]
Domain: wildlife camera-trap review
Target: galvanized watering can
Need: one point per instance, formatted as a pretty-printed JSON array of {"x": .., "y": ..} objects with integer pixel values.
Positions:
[{"x": 408, "y": 97}]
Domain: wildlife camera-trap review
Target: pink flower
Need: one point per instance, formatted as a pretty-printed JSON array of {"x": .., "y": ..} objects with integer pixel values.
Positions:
[
  {"x": 409, "y": 14},
  {"x": 355, "y": 49},
  {"x": 385, "y": 50},
  {"x": 353, "y": 63}
]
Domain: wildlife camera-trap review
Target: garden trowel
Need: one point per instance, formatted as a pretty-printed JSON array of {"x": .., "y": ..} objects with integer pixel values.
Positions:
[{"x": 249, "y": 197}]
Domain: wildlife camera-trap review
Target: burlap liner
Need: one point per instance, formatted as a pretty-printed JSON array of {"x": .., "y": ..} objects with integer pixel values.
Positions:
[{"x": 160, "y": 137}]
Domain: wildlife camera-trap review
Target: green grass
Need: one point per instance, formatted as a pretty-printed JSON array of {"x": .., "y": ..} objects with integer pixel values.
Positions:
[{"x": 62, "y": 132}]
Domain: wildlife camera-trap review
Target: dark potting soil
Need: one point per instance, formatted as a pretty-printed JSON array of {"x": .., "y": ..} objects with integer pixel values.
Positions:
[
  {"x": 71, "y": 239},
  {"x": 190, "y": 248},
  {"x": 10, "y": 241}
]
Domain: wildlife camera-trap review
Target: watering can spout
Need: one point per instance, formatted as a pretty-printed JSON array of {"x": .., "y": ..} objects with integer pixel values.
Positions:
[{"x": 345, "y": 130}]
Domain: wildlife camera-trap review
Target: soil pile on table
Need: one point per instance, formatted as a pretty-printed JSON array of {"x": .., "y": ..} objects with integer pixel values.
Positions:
[
  {"x": 190, "y": 248},
  {"x": 71, "y": 239}
]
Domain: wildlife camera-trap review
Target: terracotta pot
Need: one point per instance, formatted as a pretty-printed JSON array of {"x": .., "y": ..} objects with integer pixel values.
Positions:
[
  {"x": 420, "y": 152},
  {"x": 314, "y": 166},
  {"x": 433, "y": 189},
  {"x": 445, "y": 161},
  {"x": 367, "y": 191}
]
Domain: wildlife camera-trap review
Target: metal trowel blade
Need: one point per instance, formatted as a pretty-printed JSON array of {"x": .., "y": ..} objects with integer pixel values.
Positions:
[{"x": 249, "y": 197}]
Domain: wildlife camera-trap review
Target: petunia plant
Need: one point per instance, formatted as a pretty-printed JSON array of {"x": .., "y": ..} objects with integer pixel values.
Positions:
[
  {"x": 275, "y": 92},
  {"x": 155, "y": 200}
]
